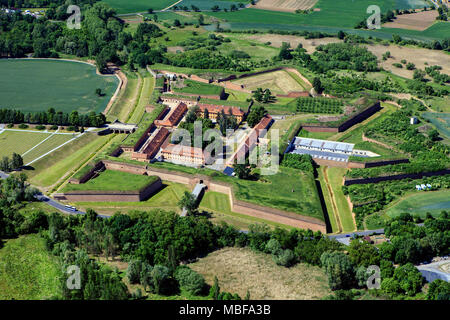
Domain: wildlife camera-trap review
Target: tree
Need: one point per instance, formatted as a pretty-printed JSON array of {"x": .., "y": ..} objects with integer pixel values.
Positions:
[
  {"x": 362, "y": 253},
  {"x": 16, "y": 161},
  {"x": 339, "y": 269},
  {"x": 145, "y": 277},
  {"x": 160, "y": 275},
  {"x": 255, "y": 115},
  {"x": 190, "y": 280},
  {"x": 433, "y": 135},
  {"x": 201, "y": 20},
  {"x": 285, "y": 51},
  {"x": 215, "y": 289},
  {"x": 317, "y": 84},
  {"x": 5, "y": 164},
  {"x": 439, "y": 290},
  {"x": 188, "y": 202},
  {"x": 134, "y": 271},
  {"x": 243, "y": 171},
  {"x": 98, "y": 92}
]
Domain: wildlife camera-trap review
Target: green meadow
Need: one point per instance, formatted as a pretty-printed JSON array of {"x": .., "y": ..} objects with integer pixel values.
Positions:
[
  {"x": 32, "y": 85},
  {"x": 127, "y": 6},
  {"x": 419, "y": 204},
  {"x": 27, "y": 270}
]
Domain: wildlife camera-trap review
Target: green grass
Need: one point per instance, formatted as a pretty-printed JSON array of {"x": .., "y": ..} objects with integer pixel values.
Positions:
[
  {"x": 335, "y": 176},
  {"x": 439, "y": 104},
  {"x": 48, "y": 145},
  {"x": 333, "y": 16},
  {"x": 418, "y": 204},
  {"x": 276, "y": 191},
  {"x": 167, "y": 199},
  {"x": 144, "y": 99},
  {"x": 127, "y": 6},
  {"x": 111, "y": 180},
  {"x": 335, "y": 226},
  {"x": 219, "y": 205},
  {"x": 19, "y": 142},
  {"x": 121, "y": 108},
  {"x": 27, "y": 270},
  {"x": 194, "y": 87},
  {"x": 47, "y": 171},
  {"x": 36, "y": 85}
]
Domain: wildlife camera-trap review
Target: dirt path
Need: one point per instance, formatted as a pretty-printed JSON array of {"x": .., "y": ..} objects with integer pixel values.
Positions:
[{"x": 333, "y": 200}]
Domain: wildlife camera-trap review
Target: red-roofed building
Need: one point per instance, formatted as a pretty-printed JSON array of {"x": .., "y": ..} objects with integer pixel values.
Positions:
[
  {"x": 151, "y": 146},
  {"x": 183, "y": 154},
  {"x": 174, "y": 116},
  {"x": 214, "y": 110}
]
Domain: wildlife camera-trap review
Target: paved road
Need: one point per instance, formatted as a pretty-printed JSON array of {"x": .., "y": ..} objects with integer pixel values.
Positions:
[{"x": 55, "y": 204}]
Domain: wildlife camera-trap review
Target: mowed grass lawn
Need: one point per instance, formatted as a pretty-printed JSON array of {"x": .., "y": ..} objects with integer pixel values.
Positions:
[
  {"x": 19, "y": 142},
  {"x": 241, "y": 269},
  {"x": 36, "y": 85},
  {"x": 219, "y": 205},
  {"x": 419, "y": 204},
  {"x": 166, "y": 199},
  {"x": 335, "y": 178},
  {"x": 111, "y": 180},
  {"x": 50, "y": 169},
  {"x": 27, "y": 270},
  {"x": 289, "y": 190},
  {"x": 46, "y": 146}
]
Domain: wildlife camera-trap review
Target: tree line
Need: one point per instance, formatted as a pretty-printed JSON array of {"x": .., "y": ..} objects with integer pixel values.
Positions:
[{"x": 53, "y": 117}]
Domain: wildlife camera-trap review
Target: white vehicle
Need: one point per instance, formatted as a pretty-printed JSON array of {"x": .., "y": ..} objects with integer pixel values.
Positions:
[{"x": 71, "y": 208}]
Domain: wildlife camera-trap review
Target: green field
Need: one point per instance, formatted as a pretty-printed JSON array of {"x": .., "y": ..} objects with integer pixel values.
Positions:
[
  {"x": 48, "y": 170},
  {"x": 440, "y": 120},
  {"x": 167, "y": 199},
  {"x": 194, "y": 87},
  {"x": 289, "y": 190},
  {"x": 27, "y": 270},
  {"x": 111, "y": 180},
  {"x": 128, "y": 6},
  {"x": 334, "y": 15},
  {"x": 420, "y": 203},
  {"x": 36, "y": 85},
  {"x": 46, "y": 146},
  {"x": 19, "y": 142}
]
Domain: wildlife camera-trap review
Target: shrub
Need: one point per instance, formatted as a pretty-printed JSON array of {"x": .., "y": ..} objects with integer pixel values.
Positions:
[
  {"x": 190, "y": 280},
  {"x": 23, "y": 126},
  {"x": 134, "y": 271},
  {"x": 40, "y": 127}
]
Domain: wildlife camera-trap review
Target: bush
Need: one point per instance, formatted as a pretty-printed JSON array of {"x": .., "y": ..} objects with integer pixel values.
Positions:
[
  {"x": 134, "y": 271},
  {"x": 285, "y": 258},
  {"x": 190, "y": 280},
  {"x": 40, "y": 127},
  {"x": 23, "y": 126}
]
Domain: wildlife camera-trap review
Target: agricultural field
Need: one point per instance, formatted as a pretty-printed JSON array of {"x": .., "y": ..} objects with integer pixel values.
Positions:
[
  {"x": 241, "y": 269},
  {"x": 421, "y": 203},
  {"x": 127, "y": 6},
  {"x": 441, "y": 121},
  {"x": 279, "y": 82},
  {"x": 111, "y": 180},
  {"x": 27, "y": 270},
  {"x": 328, "y": 16},
  {"x": 37, "y": 85},
  {"x": 415, "y": 21},
  {"x": 320, "y": 105},
  {"x": 285, "y": 5}
]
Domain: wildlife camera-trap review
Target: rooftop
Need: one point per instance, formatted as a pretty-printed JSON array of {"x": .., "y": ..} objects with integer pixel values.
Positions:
[{"x": 323, "y": 144}]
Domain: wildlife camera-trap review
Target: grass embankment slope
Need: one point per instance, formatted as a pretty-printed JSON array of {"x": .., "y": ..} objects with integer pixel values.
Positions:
[
  {"x": 111, "y": 180},
  {"x": 167, "y": 198},
  {"x": 36, "y": 85},
  {"x": 19, "y": 142},
  {"x": 240, "y": 269},
  {"x": 27, "y": 270}
]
